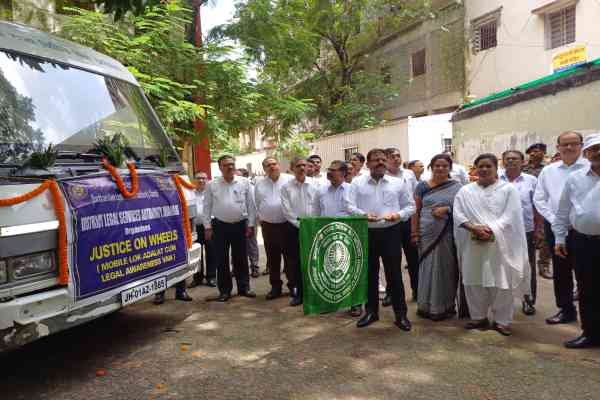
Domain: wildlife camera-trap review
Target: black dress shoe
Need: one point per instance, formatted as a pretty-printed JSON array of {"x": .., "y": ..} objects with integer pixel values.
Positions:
[
  {"x": 266, "y": 271},
  {"x": 503, "y": 329},
  {"x": 367, "y": 320},
  {"x": 403, "y": 323},
  {"x": 211, "y": 282},
  {"x": 159, "y": 298},
  {"x": 562, "y": 317},
  {"x": 422, "y": 314},
  {"x": 223, "y": 297},
  {"x": 387, "y": 300},
  {"x": 254, "y": 270},
  {"x": 273, "y": 294},
  {"x": 581, "y": 342},
  {"x": 355, "y": 311},
  {"x": 481, "y": 324},
  {"x": 295, "y": 301},
  {"x": 195, "y": 283},
  {"x": 528, "y": 309},
  {"x": 183, "y": 296},
  {"x": 247, "y": 293}
]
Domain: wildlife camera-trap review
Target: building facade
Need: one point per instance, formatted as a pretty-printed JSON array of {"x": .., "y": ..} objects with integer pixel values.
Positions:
[{"x": 510, "y": 42}]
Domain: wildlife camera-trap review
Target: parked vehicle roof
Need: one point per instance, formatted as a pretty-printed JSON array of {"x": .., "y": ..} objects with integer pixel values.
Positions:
[{"x": 26, "y": 40}]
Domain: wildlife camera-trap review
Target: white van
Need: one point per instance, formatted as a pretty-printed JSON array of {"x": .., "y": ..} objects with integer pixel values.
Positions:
[{"x": 119, "y": 250}]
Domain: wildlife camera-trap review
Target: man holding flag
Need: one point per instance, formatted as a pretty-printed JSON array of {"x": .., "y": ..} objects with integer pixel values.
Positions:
[
  {"x": 386, "y": 201},
  {"x": 333, "y": 201}
]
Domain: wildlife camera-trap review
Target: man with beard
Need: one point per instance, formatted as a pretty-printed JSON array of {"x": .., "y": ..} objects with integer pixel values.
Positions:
[{"x": 579, "y": 211}]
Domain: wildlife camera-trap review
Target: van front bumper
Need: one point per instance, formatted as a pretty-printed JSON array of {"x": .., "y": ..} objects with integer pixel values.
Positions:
[{"x": 30, "y": 317}]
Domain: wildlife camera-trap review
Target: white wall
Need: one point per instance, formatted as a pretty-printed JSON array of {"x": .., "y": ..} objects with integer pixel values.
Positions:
[
  {"x": 392, "y": 134},
  {"x": 521, "y": 54},
  {"x": 426, "y": 136},
  {"x": 241, "y": 161}
]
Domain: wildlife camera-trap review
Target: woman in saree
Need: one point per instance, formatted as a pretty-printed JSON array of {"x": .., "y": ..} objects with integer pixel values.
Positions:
[{"x": 432, "y": 232}]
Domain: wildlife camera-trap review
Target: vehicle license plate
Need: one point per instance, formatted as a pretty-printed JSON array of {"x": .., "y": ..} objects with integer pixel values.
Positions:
[{"x": 144, "y": 290}]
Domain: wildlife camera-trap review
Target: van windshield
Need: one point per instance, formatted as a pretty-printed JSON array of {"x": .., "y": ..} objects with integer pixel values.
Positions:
[{"x": 44, "y": 103}]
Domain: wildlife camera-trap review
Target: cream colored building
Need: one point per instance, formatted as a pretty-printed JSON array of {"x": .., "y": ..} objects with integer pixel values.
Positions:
[{"x": 513, "y": 41}]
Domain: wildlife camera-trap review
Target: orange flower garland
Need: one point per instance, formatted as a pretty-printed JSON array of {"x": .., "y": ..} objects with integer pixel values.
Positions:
[
  {"x": 187, "y": 229},
  {"x": 59, "y": 211},
  {"x": 119, "y": 181}
]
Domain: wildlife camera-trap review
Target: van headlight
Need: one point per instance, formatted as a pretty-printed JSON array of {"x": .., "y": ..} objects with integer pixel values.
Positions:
[
  {"x": 31, "y": 265},
  {"x": 3, "y": 272}
]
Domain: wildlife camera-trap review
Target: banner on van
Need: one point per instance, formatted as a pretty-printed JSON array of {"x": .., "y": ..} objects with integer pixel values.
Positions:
[{"x": 118, "y": 240}]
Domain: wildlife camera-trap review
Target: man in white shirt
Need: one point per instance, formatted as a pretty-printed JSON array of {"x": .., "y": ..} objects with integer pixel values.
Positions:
[
  {"x": 228, "y": 199},
  {"x": 395, "y": 169},
  {"x": 546, "y": 198},
  {"x": 273, "y": 223},
  {"x": 318, "y": 178},
  {"x": 333, "y": 200},
  {"x": 386, "y": 201},
  {"x": 513, "y": 163},
  {"x": 579, "y": 212},
  {"x": 209, "y": 270},
  {"x": 297, "y": 200}
]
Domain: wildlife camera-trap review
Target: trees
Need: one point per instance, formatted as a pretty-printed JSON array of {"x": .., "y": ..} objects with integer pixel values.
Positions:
[
  {"x": 318, "y": 48},
  {"x": 172, "y": 72}
]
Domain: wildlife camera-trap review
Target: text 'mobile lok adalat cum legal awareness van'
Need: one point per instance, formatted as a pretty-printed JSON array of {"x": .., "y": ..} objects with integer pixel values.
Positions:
[{"x": 79, "y": 237}]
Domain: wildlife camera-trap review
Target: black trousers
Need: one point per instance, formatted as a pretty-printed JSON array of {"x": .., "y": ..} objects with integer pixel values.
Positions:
[
  {"x": 292, "y": 249},
  {"x": 226, "y": 236},
  {"x": 412, "y": 260},
  {"x": 209, "y": 269},
  {"x": 274, "y": 236},
  {"x": 383, "y": 245},
  {"x": 563, "y": 270},
  {"x": 531, "y": 253},
  {"x": 588, "y": 264}
]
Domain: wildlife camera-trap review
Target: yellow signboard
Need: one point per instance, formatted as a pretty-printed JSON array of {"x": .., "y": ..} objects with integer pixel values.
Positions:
[{"x": 570, "y": 57}]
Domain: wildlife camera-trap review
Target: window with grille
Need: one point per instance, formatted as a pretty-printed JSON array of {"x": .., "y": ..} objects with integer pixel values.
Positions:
[
  {"x": 560, "y": 27},
  {"x": 349, "y": 151},
  {"x": 484, "y": 31},
  {"x": 418, "y": 63},
  {"x": 488, "y": 36}
]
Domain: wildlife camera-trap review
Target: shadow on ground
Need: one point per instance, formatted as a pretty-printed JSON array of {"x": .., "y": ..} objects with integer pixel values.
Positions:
[{"x": 254, "y": 349}]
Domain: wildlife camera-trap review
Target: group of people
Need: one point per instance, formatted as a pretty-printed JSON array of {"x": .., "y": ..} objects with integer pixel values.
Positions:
[{"x": 470, "y": 240}]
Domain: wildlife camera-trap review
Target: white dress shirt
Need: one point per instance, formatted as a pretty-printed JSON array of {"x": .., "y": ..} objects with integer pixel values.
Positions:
[
  {"x": 268, "y": 198},
  {"x": 199, "y": 205},
  {"x": 550, "y": 185},
  {"x": 297, "y": 200},
  {"x": 388, "y": 195},
  {"x": 525, "y": 184},
  {"x": 333, "y": 201},
  {"x": 229, "y": 202},
  {"x": 579, "y": 205},
  {"x": 406, "y": 175},
  {"x": 318, "y": 181}
]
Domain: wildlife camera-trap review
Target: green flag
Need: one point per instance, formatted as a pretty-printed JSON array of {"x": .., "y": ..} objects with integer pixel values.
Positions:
[{"x": 334, "y": 259}]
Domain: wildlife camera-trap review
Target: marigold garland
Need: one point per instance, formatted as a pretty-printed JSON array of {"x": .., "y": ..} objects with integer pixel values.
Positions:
[
  {"x": 59, "y": 211},
  {"x": 119, "y": 181},
  {"x": 187, "y": 229}
]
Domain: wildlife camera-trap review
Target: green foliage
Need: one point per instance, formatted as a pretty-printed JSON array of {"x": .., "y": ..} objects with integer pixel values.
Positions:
[
  {"x": 153, "y": 47},
  {"x": 173, "y": 73},
  {"x": 319, "y": 47},
  {"x": 113, "y": 147},
  {"x": 42, "y": 159},
  {"x": 121, "y": 7},
  {"x": 296, "y": 145}
]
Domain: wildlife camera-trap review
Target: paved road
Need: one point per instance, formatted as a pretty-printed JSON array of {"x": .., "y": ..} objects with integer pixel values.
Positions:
[{"x": 254, "y": 349}]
